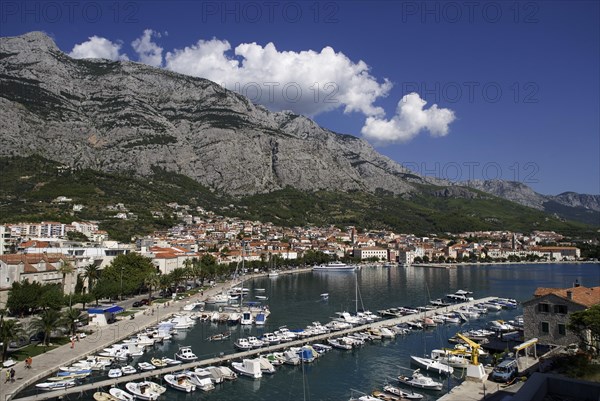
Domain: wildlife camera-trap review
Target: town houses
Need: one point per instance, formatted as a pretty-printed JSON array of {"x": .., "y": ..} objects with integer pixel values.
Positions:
[{"x": 34, "y": 250}]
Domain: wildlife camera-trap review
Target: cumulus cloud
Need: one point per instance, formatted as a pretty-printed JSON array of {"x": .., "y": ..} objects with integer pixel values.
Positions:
[
  {"x": 97, "y": 47},
  {"x": 411, "y": 118},
  {"x": 148, "y": 51},
  {"x": 308, "y": 82}
]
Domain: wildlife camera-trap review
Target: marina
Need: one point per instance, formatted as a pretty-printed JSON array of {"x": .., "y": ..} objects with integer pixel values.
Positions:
[{"x": 384, "y": 358}]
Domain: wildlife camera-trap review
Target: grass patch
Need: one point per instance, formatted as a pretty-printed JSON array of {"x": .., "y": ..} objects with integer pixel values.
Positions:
[{"x": 38, "y": 349}]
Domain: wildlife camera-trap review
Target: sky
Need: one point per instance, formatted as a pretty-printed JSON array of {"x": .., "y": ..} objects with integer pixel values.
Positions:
[{"x": 457, "y": 90}]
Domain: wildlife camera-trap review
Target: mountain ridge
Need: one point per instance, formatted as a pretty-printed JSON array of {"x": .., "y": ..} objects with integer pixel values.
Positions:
[{"x": 122, "y": 116}]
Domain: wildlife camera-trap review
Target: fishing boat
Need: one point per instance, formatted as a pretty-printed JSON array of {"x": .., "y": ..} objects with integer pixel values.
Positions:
[
  {"x": 261, "y": 319},
  {"x": 334, "y": 267},
  {"x": 420, "y": 381},
  {"x": 102, "y": 396},
  {"x": 180, "y": 382},
  {"x": 145, "y": 390},
  {"x": 432, "y": 365},
  {"x": 247, "y": 318},
  {"x": 242, "y": 344},
  {"x": 401, "y": 393},
  {"x": 248, "y": 367},
  {"x": 185, "y": 354},
  {"x": 120, "y": 395}
]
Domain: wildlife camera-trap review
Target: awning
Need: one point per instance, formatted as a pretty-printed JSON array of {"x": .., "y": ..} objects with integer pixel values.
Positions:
[{"x": 110, "y": 309}]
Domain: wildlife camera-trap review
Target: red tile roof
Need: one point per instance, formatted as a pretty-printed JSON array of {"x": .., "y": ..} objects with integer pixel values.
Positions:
[{"x": 582, "y": 295}]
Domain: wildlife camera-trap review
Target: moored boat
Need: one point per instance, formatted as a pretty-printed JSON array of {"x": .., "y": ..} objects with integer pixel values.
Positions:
[
  {"x": 432, "y": 365},
  {"x": 248, "y": 367},
  {"x": 120, "y": 395},
  {"x": 102, "y": 396},
  {"x": 420, "y": 381},
  {"x": 145, "y": 390},
  {"x": 335, "y": 267},
  {"x": 180, "y": 382}
]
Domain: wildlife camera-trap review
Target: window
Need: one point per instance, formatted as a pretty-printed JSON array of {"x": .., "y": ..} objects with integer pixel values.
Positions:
[
  {"x": 560, "y": 309},
  {"x": 562, "y": 330},
  {"x": 545, "y": 327},
  {"x": 543, "y": 308}
]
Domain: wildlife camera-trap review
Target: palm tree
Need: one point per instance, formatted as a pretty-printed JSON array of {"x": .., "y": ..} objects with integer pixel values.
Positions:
[
  {"x": 10, "y": 330},
  {"x": 152, "y": 281},
  {"x": 70, "y": 318},
  {"x": 66, "y": 267},
  {"x": 48, "y": 321},
  {"x": 91, "y": 273}
]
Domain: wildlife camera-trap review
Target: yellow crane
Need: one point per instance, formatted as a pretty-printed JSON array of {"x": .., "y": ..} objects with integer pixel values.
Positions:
[{"x": 474, "y": 369}]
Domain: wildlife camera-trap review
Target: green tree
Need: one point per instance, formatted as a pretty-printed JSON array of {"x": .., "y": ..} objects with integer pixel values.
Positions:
[
  {"x": 127, "y": 272},
  {"x": 585, "y": 325},
  {"x": 23, "y": 297},
  {"x": 10, "y": 330},
  {"x": 52, "y": 297},
  {"x": 48, "y": 321}
]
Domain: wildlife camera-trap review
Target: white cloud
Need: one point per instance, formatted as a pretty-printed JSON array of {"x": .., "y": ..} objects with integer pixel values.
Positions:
[
  {"x": 97, "y": 47},
  {"x": 411, "y": 118},
  {"x": 148, "y": 51},
  {"x": 307, "y": 82}
]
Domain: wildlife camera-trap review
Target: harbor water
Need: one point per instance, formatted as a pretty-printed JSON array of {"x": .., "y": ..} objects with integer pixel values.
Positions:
[{"x": 295, "y": 302}]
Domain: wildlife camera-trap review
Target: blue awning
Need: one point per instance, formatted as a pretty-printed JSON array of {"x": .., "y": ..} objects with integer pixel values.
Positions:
[{"x": 110, "y": 309}]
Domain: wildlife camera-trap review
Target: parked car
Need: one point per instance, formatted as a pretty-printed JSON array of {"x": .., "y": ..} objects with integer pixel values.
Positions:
[
  {"x": 505, "y": 371},
  {"x": 137, "y": 304}
]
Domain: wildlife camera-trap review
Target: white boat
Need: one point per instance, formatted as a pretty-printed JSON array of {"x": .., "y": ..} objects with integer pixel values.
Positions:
[
  {"x": 460, "y": 296},
  {"x": 274, "y": 274},
  {"x": 145, "y": 390},
  {"x": 146, "y": 366},
  {"x": 432, "y": 365},
  {"x": 242, "y": 344},
  {"x": 128, "y": 370},
  {"x": 200, "y": 378},
  {"x": 401, "y": 393},
  {"x": 255, "y": 342},
  {"x": 325, "y": 296},
  {"x": 192, "y": 305},
  {"x": 334, "y": 267},
  {"x": 450, "y": 358},
  {"x": 262, "y": 297},
  {"x": 248, "y": 367},
  {"x": 180, "y": 382},
  {"x": 420, "y": 381},
  {"x": 265, "y": 365},
  {"x": 247, "y": 318},
  {"x": 217, "y": 299},
  {"x": 114, "y": 373},
  {"x": 185, "y": 354},
  {"x": 120, "y": 395},
  {"x": 171, "y": 361},
  {"x": 58, "y": 385}
]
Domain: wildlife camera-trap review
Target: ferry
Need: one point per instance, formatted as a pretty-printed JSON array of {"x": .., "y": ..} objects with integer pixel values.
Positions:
[{"x": 335, "y": 267}]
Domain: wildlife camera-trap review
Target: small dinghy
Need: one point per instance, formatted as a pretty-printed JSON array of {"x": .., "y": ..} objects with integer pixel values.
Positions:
[
  {"x": 146, "y": 366},
  {"x": 128, "y": 370},
  {"x": 158, "y": 362},
  {"x": 59, "y": 385},
  {"x": 401, "y": 393},
  {"x": 114, "y": 373},
  {"x": 102, "y": 396}
]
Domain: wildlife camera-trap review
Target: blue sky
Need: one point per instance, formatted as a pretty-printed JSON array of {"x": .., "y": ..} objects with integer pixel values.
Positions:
[{"x": 515, "y": 84}]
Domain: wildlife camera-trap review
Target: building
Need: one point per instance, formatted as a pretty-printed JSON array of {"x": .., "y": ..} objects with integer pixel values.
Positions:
[
  {"x": 371, "y": 252},
  {"x": 41, "y": 267},
  {"x": 547, "y": 315}
]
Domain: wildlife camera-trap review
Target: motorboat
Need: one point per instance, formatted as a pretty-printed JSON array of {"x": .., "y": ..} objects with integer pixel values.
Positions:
[
  {"x": 128, "y": 370},
  {"x": 200, "y": 378},
  {"x": 419, "y": 380},
  {"x": 242, "y": 344},
  {"x": 185, "y": 354},
  {"x": 273, "y": 274},
  {"x": 291, "y": 358},
  {"x": 324, "y": 296},
  {"x": 401, "y": 393},
  {"x": 217, "y": 299},
  {"x": 247, "y": 318},
  {"x": 455, "y": 359},
  {"x": 58, "y": 385},
  {"x": 120, "y": 395},
  {"x": 220, "y": 336},
  {"x": 460, "y": 296},
  {"x": 180, "y": 382},
  {"x": 145, "y": 390},
  {"x": 255, "y": 342},
  {"x": 334, "y": 267},
  {"x": 192, "y": 305},
  {"x": 336, "y": 343},
  {"x": 248, "y": 367},
  {"x": 114, "y": 373},
  {"x": 146, "y": 366},
  {"x": 234, "y": 318},
  {"x": 260, "y": 319},
  {"x": 158, "y": 362},
  {"x": 439, "y": 302},
  {"x": 266, "y": 367},
  {"x": 270, "y": 338},
  {"x": 432, "y": 365}
]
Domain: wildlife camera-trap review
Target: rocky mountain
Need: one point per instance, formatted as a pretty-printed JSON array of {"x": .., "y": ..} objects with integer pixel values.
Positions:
[
  {"x": 129, "y": 117},
  {"x": 125, "y": 116},
  {"x": 569, "y": 205}
]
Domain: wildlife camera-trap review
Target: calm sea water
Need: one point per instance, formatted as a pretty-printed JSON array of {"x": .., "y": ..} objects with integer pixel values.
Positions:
[{"x": 295, "y": 302}]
